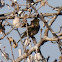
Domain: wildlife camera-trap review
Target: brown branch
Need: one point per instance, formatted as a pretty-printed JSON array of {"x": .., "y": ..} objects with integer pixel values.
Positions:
[
  {"x": 60, "y": 34},
  {"x": 30, "y": 16},
  {"x": 12, "y": 52},
  {"x": 6, "y": 34},
  {"x": 46, "y": 32},
  {"x": 5, "y": 55},
  {"x": 30, "y": 51},
  {"x": 51, "y": 14},
  {"x": 55, "y": 16}
]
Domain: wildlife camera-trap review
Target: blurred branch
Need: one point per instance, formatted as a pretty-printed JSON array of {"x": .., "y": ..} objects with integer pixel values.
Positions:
[
  {"x": 5, "y": 16},
  {"x": 30, "y": 51},
  {"x": 12, "y": 53},
  {"x": 6, "y": 34},
  {"x": 5, "y": 55}
]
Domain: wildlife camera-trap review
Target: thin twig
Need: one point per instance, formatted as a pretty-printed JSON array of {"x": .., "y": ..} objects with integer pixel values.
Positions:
[{"x": 12, "y": 52}]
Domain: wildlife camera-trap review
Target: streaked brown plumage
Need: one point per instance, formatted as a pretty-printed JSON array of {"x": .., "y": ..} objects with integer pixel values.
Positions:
[{"x": 32, "y": 30}]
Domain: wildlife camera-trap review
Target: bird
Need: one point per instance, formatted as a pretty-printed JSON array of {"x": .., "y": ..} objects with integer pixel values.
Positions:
[
  {"x": 32, "y": 30},
  {"x": 2, "y": 3},
  {"x": 2, "y": 28}
]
